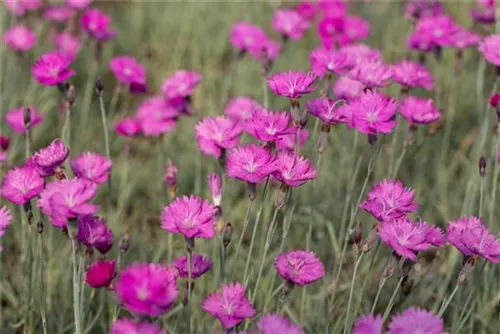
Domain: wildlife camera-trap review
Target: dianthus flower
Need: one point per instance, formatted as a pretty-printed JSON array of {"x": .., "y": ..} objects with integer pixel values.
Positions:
[
  {"x": 78, "y": 4},
  {"x": 215, "y": 134},
  {"x": 437, "y": 30},
  {"x": 299, "y": 267},
  {"x": 156, "y": 116},
  {"x": 372, "y": 74},
  {"x": 268, "y": 126},
  {"x": 15, "y": 119},
  {"x": 422, "y": 8},
  {"x": 50, "y": 158},
  {"x": 58, "y": 14},
  {"x": 126, "y": 326},
  {"x": 359, "y": 53},
  {"x": 354, "y": 29},
  {"x": 128, "y": 127},
  {"x": 246, "y": 37},
  {"x": 328, "y": 61},
  {"x": 410, "y": 75},
  {"x": 181, "y": 84},
  {"x": 328, "y": 29},
  {"x": 215, "y": 185},
  {"x": 287, "y": 142},
  {"x": 308, "y": 10},
  {"x": 20, "y": 38},
  {"x": 276, "y": 323},
  {"x": 293, "y": 170},
  {"x": 241, "y": 108},
  {"x": 489, "y": 48},
  {"x": 484, "y": 12},
  {"x": 52, "y": 68},
  {"x": 347, "y": 89},
  {"x": 251, "y": 163},
  {"x": 464, "y": 38},
  {"x": 5, "y": 219},
  {"x": 292, "y": 84},
  {"x": 20, "y": 7},
  {"x": 418, "y": 110},
  {"x": 91, "y": 166},
  {"x": 93, "y": 232},
  {"x": 21, "y": 184},
  {"x": 128, "y": 70},
  {"x": 415, "y": 320},
  {"x": 101, "y": 274},
  {"x": 289, "y": 23},
  {"x": 326, "y": 110},
  {"x": 97, "y": 25},
  {"x": 199, "y": 266},
  {"x": 67, "y": 44},
  {"x": 368, "y": 324}
]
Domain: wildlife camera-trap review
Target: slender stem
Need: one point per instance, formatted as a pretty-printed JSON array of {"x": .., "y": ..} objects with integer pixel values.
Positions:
[
  {"x": 66, "y": 129},
  {"x": 372, "y": 261},
  {"x": 41, "y": 274},
  {"x": 447, "y": 303},
  {"x": 380, "y": 287},
  {"x": 347, "y": 321},
  {"x": 106, "y": 133},
  {"x": 481, "y": 197},
  {"x": 398, "y": 162},
  {"x": 114, "y": 98},
  {"x": 188, "y": 306},
  {"x": 245, "y": 225},
  {"x": 76, "y": 287},
  {"x": 393, "y": 297}
]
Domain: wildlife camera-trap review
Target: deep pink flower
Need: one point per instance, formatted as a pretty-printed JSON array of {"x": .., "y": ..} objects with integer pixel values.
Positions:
[
  {"x": 333, "y": 8},
  {"x": 20, "y": 38},
  {"x": 67, "y": 44},
  {"x": 126, "y": 326},
  {"x": 190, "y": 216},
  {"x": 471, "y": 237},
  {"x": 326, "y": 110},
  {"x": 51, "y": 157},
  {"x": 293, "y": 170},
  {"x": 128, "y": 70},
  {"x": 5, "y": 219},
  {"x": 421, "y": 42},
  {"x": 358, "y": 53},
  {"x": 246, "y": 36},
  {"x": 287, "y": 142},
  {"x": 464, "y": 38},
  {"x": 354, "y": 29},
  {"x": 52, "y": 68},
  {"x": 229, "y": 305},
  {"x": 101, "y": 274},
  {"x": 268, "y": 126},
  {"x": 21, "y": 184},
  {"x": 251, "y": 163},
  {"x": 15, "y": 119},
  {"x": 494, "y": 100},
  {"x": 156, "y": 116},
  {"x": 128, "y": 127},
  {"x": 215, "y": 134},
  {"x": 423, "y": 8},
  {"x": 292, "y": 84},
  {"x": 58, "y": 14},
  {"x": 20, "y": 7},
  {"x": 276, "y": 323},
  {"x": 289, "y": 23},
  {"x": 97, "y": 25},
  {"x": 418, "y": 110},
  {"x": 215, "y": 185},
  {"x": 437, "y": 30},
  {"x": 78, "y": 4},
  {"x": 94, "y": 232},
  {"x": 299, "y": 267},
  {"x": 147, "y": 289},
  {"x": 91, "y": 166},
  {"x": 372, "y": 74},
  {"x": 308, "y": 10},
  {"x": 266, "y": 51},
  {"x": 415, "y": 320},
  {"x": 241, "y": 108},
  {"x": 347, "y": 89},
  {"x": 489, "y": 48},
  {"x": 199, "y": 266},
  {"x": 67, "y": 199},
  {"x": 328, "y": 29},
  {"x": 411, "y": 75},
  {"x": 5, "y": 141},
  {"x": 389, "y": 200},
  {"x": 181, "y": 84},
  {"x": 483, "y": 14},
  {"x": 368, "y": 324},
  {"x": 328, "y": 61}
]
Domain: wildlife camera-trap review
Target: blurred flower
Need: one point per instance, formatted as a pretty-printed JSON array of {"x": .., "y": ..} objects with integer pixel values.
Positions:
[
  {"x": 241, "y": 108},
  {"x": 308, "y": 10},
  {"x": 5, "y": 219},
  {"x": 292, "y": 84},
  {"x": 293, "y": 170},
  {"x": 20, "y": 7},
  {"x": 181, "y": 84},
  {"x": 331, "y": 61},
  {"x": 494, "y": 100},
  {"x": 21, "y": 184},
  {"x": 94, "y": 232},
  {"x": 411, "y": 75},
  {"x": 128, "y": 70},
  {"x": 4, "y": 143},
  {"x": 268, "y": 126},
  {"x": 78, "y": 4},
  {"x": 215, "y": 185},
  {"x": 328, "y": 29},
  {"x": 229, "y": 305},
  {"x": 67, "y": 44},
  {"x": 251, "y": 163},
  {"x": 489, "y": 47},
  {"x": 91, "y": 166},
  {"x": 51, "y": 157},
  {"x": 246, "y": 37},
  {"x": 368, "y": 324},
  {"x": 20, "y": 38},
  {"x": 276, "y": 323},
  {"x": 96, "y": 24},
  {"x": 436, "y": 30},
  {"x": 266, "y": 52},
  {"x": 347, "y": 89},
  {"x": 471, "y": 237},
  {"x": 423, "y": 8},
  {"x": 415, "y": 320},
  {"x": 358, "y": 53},
  {"x": 372, "y": 74},
  {"x": 326, "y": 110},
  {"x": 418, "y": 110},
  {"x": 287, "y": 142},
  {"x": 101, "y": 274},
  {"x": 354, "y": 29},
  {"x": 464, "y": 38},
  {"x": 289, "y": 23},
  {"x": 215, "y": 134},
  {"x": 147, "y": 289},
  {"x": 58, "y": 14},
  {"x": 15, "y": 119},
  {"x": 299, "y": 267},
  {"x": 156, "y": 116},
  {"x": 128, "y": 127},
  {"x": 126, "y": 326},
  {"x": 199, "y": 266},
  {"x": 52, "y": 68},
  {"x": 171, "y": 174},
  {"x": 483, "y": 13},
  {"x": 190, "y": 216},
  {"x": 333, "y": 8}
]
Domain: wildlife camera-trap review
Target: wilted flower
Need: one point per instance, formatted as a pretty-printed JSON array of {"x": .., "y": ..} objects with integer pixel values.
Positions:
[
  {"x": 418, "y": 110},
  {"x": 293, "y": 170},
  {"x": 299, "y": 267},
  {"x": 128, "y": 127},
  {"x": 411, "y": 75},
  {"x": 229, "y": 305},
  {"x": 67, "y": 44},
  {"x": 287, "y": 142},
  {"x": 181, "y": 84},
  {"x": 289, "y": 23},
  {"x": 78, "y": 4},
  {"x": 15, "y": 119},
  {"x": 128, "y": 70},
  {"x": 96, "y": 24},
  {"x": 5, "y": 219},
  {"x": 20, "y": 38},
  {"x": 241, "y": 108},
  {"x": 156, "y": 116},
  {"x": 292, "y": 84},
  {"x": 91, "y": 166},
  {"x": 347, "y": 89},
  {"x": 48, "y": 159},
  {"x": 52, "y": 68},
  {"x": 368, "y": 324},
  {"x": 326, "y": 110},
  {"x": 331, "y": 61},
  {"x": 101, "y": 274},
  {"x": 199, "y": 266},
  {"x": 215, "y": 185},
  {"x": 94, "y": 232},
  {"x": 126, "y": 326},
  {"x": 276, "y": 323},
  {"x": 372, "y": 74},
  {"x": 247, "y": 37},
  {"x": 251, "y": 163},
  {"x": 147, "y": 289},
  {"x": 489, "y": 48},
  {"x": 268, "y": 126},
  {"x": 415, "y": 320},
  {"x": 4, "y": 143},
  {"x": 58, "y": 14},
  {"x": 21, "y": 184},
  {"x": 464, "y": 38},
  {"x": 215, "y": 134}
]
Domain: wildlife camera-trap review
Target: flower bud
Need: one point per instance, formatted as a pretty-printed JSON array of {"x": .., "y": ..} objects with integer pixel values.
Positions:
[
  {"x": 281, "y": 196},
  {"x": 370, "y": 240},
  {"x": 466, "y": 271},
  {"x": 99, "y": 86},
  {"x": 372, "y": 139},
  {"x": 226, "y": 236},
  {"x": 4, "y": 143},
  {"x": 357, "y": 236},
  {"x": 101, "y": 274},
  {"x": 252, "y": 189},
  {"x": 215, "y": 185},
  {"x": 39, "y": 227},
  {"x": 482, "y": 166},
  {"x": 185, "y": 299},
  {"x": 304, "y": 116},
  {"x": 124, "y": 243},
  {"x": 27, "y": 117},
  {"x": 189, "y": 244},
  {"x": 391, "y": 266},
  {"x": 323, "y": 138},
  {"x": 406, "y": 268}
]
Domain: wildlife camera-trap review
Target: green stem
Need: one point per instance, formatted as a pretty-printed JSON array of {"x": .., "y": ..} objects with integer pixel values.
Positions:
[
  {"x": 398, "y": 163},
  {"x": 393, "y": 297},
  {"x": 76, "y": 287},
  {"x": 347, "y": 315},
  {"x": 66, "y": 130},
  {"x": 481, "y": 197},
  {"x": 41, "y": 275},
  {"x": 447, "y": 303},
  {"x": 106, "y": 135},
  {"x": 245, "y": 225},
  {"x": 188, "y": 306}
]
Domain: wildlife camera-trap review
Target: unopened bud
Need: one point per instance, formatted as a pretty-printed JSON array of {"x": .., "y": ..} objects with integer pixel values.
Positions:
[
  {"x": 27, "y": 117},
  {"x": 124, "y": 243},
  {"x": 357, "y": 236},
  {"x": 39, "y": 227},
  {"x": 466, "y": 271},
  {"x": 189, "y": 244},
  {"x": 323, "y": 138},
  {"x": 71, "y": 95},
  {"x": 372, "y": 139},
  {"x": 99, "y": 86},
  {"x": 185, "y": 299},
  {"x": 4, "y": 143},
  {"x": 72, "y": 228},
  {"x": 482, "y": 166},
  {"x": 228, "y": 232},
  {"x": 370, "y": 240},
  {"x": 304, "y": 116},
  {"x": 63, "y": 87},
  {"x": 391, "y": 266},
  {"x": 252, "y": 189},
  {"x": 295, "y": 111},
  {"x": 281, "y": 196}
]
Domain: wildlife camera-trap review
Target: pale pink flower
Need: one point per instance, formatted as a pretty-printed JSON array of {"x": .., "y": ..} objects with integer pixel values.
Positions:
[
  {"x": 411, "y": 75},
  {"x": 372, "y": 74},
  {"x": 250, "y": 163},
  {"x": 78, "y": 4},
  {"x": 67, "y": 44},
  {"x": 368, "y": 324},
  {"x": 347, "y": 89},
  {"x": 20, "y": 38},
  {"x": 276, "y": 323},
  {"x": 21, "y": 184},
  {"x": 246, "y": 36},
  {"x": 418, "y": 110},
  {"x": 215, "y": 134},
  {"x": 416, "y": 320},
  {"x": 91, "y": 166},
  {"x": 354, "y": 29},
  {"x": 464, "y": 38},
  {"x": 156, "y": 116},
  {"x": 293, "y": 170},
  {"x": 20, "y": 7},
  {"x": 241, "y": 108},
  {"x": 289, "y": 23},
  {"x": 58, "y": 14},
  {"x": 359, "y": 53},
  {"x": 15, "y": 119},
  {"x": 489, "y": 48}
]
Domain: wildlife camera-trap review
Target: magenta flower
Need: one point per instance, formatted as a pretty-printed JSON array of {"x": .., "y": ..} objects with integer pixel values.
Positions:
[
  {"x": 156, "y": 116},
  {"x": 20, "y": 7},
  {"x": 289, "y": 23},
  {"x": 421, "y": 42},
  {"x": 78, "y": 4},
  {"x": 372, "y": 74},
  {"x": 67, "y": 199},
  {"x": 101, "y": 274},
  {"x": 21, "y": 184},
  {"x": 190, "y": 216},
  {"x": 50, "y": 158},
  {"x": 215, "y": 185},
  {"x": 355, "y": 29},
  {"x": 147, "y": 289},
  {"x": 423, "y": 8},
  {"x": 91, "y": 166},
  {"x": 58, "y": 14},
  {"x": 293, "y": 170},
  {"x": 308, "y": 10},
  {"x": 215, "y": 134},
  {"x": 368, "y": 324},
  {"x": 199, "y": 266},
  {"x": 241, "y": 108},
  {"x": 229, "y": 305},
  {"x": 5, "y": 219},
  {"x": 52, "y": 68},
  {"x": 347, "y": 89},
  {"x": 246, "y": 37},
  {"x": 410, "y": 75},
  {"x": 128, "y": 127},
  {"x": 266, "y": 52},
  {"x": 326, "y": 110},
  {"x": 328, "y": 61},
  {"x": 15, "y": 119},
  {"x": 128, "y": 70},
  {"x": 389, "y": 200},
  {"x": 333, "y": 8},
  {"x": 471, "y": 237},
  {"x": 67, "y": 44},
  {"x": 268, "y": 126},
  {"x": 95, "y": 233},
  {"x": 251, "y": 163},
  {"x": 299, "y": 267},
  {"x": 418, "y": 110},
  {"x": 437, "y": 30},
  {"x": 358, "y": 53},
  {"x": 276, "y": 323},
  {"x": 181, "y": 84},
  {"x": 489, "y": 48},
  {"x": 415, "y": 320},
  {"x": 328, "y": 30},
  {"x": 464, "y": 38},
  {"x": 20, "y": 38},
  {"x": 484, "y": 14},
  {"x": 97, "y": 25},
  {"x": 292, "y": 84},
  {"x": 287, "y": 142},
  {"x": 126, "y": 326}
]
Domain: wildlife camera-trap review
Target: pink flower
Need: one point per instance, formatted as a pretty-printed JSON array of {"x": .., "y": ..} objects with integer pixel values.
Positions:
[
  {"x": 371, "y": 113},
  {"x": 128, "y": 70},
  {"x": 156, "y": 116},
  {"x": 15, "y": 119},
  {"x": 494, "y": 101},
  {"x": 250, "y": 163},
  {"x": 331, "y": 61},
  {"x": 96, "y": 24},
  {"x": 411, "y": 75},
  {"x": 354, "y": 29},
  {"x": 292, "y": 84},
  {"x": 333, "y": 8},
  {"x": 101, "y": 274},
  {"x": 181, "y": 84},
  {"x": 326, "y": 110},
  {"x": 308, "y": 10},
  {"x": 437, "y": 30},
  {"x": 489, "y": 48},
  {"x": 229, "y": 305},
  {"x": 67, "y": 199},
  {"x": 147, "y": 289},
  {"x": 128, "y": 127},
  {"x": 5, "y": 219},
  {"x": 21, "y": 184},
  {"x": 20, "y": 7},
  {"x": 78, "y": 4},
  {"x": 67, "y": 44},
  {"x": 420, "y": 42},
  {"x": 483, "y": 14},
  {"x": 368, "y": 324},
  {"x": 293, "y": 170},
  {"x": 415, "y": 320},
  {"x": 48, "y": 159},
  {"x": 289, "y": 23},
  {"x": 268, "y": 126},
  {"x": 215, "y": 134},
  {"x": 372, "y": 74},
  {"x": 418, "y": 110},
  {"x": 20, "y": 38},
  {"x": 347, "y": 89},
  {"x": 328, "y": 29},
  {"x": 171, "y": 174},
  {"x": 423, "y": 8},
  {"x": 276, "y": 323},
  {"x": 246, "y": 36},
  {"x": 58, "y": 14},
  {"x": 91, "y": 166},
  {"x": 464, "y": 38},
  {"x": 287, "y": 142},
  {"x": 299, "y": 267},
  {"x": 241, "y": 108},
  {"x": 199, "y": 266},
  {"x": 126, "y": 326},
  {"x": 93, "y": 232},
  {"x": 215, "y": 185},
  {"x": 190, "y": 216},
  {"x": 471, "y": 237},
  {"x": 266, "y": 52},
  {"x": 389, "y": 200},
  {"x": 359, "y": 53},
  {"x": 52, "y": 68}
]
